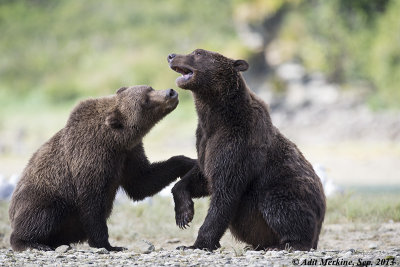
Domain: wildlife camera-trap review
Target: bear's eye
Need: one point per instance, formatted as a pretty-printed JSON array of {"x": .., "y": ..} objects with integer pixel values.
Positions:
[
  {"x": 198, "y": 53},
  {"x": 146, "y": 102}
]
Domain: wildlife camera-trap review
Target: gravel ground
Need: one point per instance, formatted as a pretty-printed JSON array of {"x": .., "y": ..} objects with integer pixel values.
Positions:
[
  {"x": 101, "y": 257},
  {"x": 340, "y": 245}
]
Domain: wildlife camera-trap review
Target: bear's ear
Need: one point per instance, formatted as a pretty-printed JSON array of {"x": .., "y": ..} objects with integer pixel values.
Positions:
[
  {"x": 240, "y": 65},
  {"x": 114, "y": 120},
  {"x": 122, "y": 89}
]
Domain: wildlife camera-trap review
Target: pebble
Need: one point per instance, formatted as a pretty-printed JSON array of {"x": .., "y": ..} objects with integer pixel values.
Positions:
[
  {"x": 372, "y": 246},
  {"x": 63, "y": 249},
  {"x": 253, "y": 253},
  {"x": 101, "y": 251},
  {"x": 147, "y": 247},
  {"x": 347, "y": 254},
  {"x": 101, "y": 257},
  {"x": 173, "y": 241}
]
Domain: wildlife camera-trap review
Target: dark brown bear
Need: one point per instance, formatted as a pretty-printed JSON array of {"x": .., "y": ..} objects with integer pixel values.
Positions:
[
  {"x": 261, "y": 185},
  {"x": 67, "y": 190}
]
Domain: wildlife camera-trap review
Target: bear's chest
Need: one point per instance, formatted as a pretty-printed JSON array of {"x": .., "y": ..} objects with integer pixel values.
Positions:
[
  {"x": 201, "y": 152},
  {"x": 209, "y": 153}
]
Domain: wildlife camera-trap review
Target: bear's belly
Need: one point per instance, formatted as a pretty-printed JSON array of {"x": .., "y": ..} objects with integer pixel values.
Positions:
[{"x": 249, "y": 226}]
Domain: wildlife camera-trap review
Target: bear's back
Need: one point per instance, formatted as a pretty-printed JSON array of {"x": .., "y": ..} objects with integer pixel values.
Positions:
[{"x": 43, "y": 176}]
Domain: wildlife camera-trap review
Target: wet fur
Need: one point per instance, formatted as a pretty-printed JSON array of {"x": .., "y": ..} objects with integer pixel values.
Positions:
[
  {"x": 261, "y": 186},
  {"x": 67, "y": 189}
]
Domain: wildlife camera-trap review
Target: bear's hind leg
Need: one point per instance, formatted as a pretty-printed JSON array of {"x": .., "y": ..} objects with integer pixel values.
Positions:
[
  {"x": 35, "y": 228},
  {"x": 18, "y": 244},
  {"x": 292, "y": 220}
]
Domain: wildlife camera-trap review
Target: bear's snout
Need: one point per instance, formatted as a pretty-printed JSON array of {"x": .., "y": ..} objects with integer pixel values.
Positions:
[
  {"x": 171, "y": 93},
  {"x": 170, "y": 57}
]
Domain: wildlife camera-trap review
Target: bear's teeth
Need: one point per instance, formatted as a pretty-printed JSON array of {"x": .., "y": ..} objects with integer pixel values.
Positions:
[{"x": 182, "y": 71}]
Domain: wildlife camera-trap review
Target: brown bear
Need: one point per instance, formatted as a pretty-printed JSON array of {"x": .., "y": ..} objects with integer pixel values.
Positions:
[
  {"x": 66, "y": 191},
  {"x": 261, "y": 186}
]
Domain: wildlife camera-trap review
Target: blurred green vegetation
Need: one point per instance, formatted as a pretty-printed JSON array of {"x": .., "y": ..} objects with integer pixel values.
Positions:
[
  {"x": 363, "y": 207},
  {"x": 57, "y": 51},
  {"x": 359, "y": 40},
  {"x": 349, "y": 41}
]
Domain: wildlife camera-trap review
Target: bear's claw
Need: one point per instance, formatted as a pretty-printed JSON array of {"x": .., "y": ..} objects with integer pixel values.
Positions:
[{"x": 184, "y": 218}]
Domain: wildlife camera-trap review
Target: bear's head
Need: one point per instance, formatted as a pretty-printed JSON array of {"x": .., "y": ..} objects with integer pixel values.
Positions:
[
  {"x": 204, "y": 69},
  {"x": 140, "y": 107},
  {"x": 121, "y": 119}
]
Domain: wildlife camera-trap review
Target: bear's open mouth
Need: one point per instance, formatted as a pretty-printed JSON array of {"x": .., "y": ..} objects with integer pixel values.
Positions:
[{"x": 186, "y": 73}]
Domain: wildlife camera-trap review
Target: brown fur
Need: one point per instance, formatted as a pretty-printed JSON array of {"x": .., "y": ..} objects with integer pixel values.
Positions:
[
  {"x": 261, "y": 186},
  {"x": 67, "y": 190}
]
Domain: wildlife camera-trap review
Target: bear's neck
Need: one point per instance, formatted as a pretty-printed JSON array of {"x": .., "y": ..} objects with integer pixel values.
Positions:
[{"x": 232, "y": 108}]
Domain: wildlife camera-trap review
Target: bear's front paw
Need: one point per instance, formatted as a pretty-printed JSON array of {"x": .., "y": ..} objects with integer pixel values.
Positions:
[
  {"x": 42, "y": 247},
  {"x": 185, "y": 163},
  {"x": 184, "y": 214},
  {"x": 207, "y": 247}
]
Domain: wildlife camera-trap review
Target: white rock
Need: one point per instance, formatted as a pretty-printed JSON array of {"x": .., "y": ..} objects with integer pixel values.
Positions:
[
  {"x": 147, "y": 247},
  {"x": 63, "y": 249},
  {"x": 373, "y": 246},
  {"x": 101, "y": 251}
]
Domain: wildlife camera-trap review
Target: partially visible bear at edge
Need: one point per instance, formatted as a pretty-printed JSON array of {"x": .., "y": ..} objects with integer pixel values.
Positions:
[
  {"x": 261, "y": 186},
  {"x": 67, "y": 190}
]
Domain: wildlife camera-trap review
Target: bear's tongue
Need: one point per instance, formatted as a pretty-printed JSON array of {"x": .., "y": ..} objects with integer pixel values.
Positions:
[
  {"x": 184, "y": 77},
  {"x": 186, "y": 74}
]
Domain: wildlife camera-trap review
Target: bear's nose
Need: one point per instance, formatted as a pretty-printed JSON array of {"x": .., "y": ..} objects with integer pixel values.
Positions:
[
  {"x": 170, "y": 57},
  {"x": 171, "y": 93}
]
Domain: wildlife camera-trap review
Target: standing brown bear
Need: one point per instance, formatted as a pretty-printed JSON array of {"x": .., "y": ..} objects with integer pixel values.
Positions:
[
  {"x": 261, "y": 185},
  {"x": 67, "y": 190}
]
